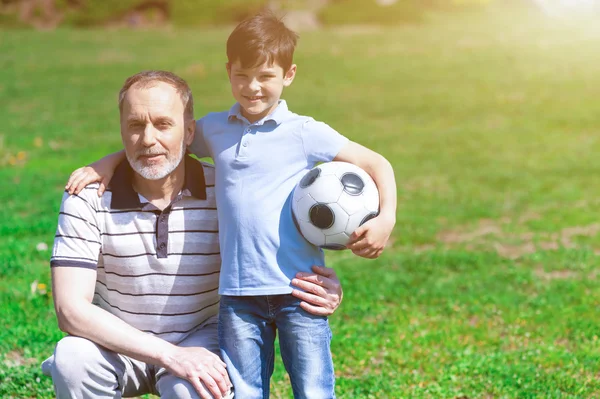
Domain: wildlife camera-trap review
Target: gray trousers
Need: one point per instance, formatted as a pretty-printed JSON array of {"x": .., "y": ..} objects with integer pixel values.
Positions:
[{"x": 80, "y": 369}]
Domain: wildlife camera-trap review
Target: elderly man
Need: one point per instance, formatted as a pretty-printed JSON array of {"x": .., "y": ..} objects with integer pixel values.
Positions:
[{"x": 135, "y": 272}]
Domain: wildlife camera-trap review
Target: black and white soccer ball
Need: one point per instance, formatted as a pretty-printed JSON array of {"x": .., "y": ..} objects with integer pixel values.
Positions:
[{"x": 331, "y": 201}]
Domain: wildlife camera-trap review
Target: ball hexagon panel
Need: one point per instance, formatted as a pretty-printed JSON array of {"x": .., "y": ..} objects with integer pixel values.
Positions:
[
  {"x": 330, "y": 168},
  {"x": 302, "y": 207},
  {"x": 326, "y": 189},
  {"x": 350, "y": 203},
  {"x": 371, "y": 199},
  {"x": 336, "y": 241},
  {"x": 312, "y": 234}
]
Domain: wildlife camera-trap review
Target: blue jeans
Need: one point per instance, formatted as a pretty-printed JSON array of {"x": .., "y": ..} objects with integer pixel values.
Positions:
[{"x": 247, "y": 328}]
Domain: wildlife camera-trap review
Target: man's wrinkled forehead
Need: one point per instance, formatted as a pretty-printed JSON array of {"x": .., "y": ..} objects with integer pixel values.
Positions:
[{"x": 158, "y": 98}]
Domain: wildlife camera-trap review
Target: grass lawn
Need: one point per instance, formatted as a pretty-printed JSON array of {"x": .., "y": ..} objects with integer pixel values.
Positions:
[{"x": 490, "y": 288}]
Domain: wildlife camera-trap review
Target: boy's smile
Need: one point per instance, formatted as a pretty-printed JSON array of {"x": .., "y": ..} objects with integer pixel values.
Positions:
[
  {"x": 254, "y": 99},
  {"x": 258, "y": 89}
]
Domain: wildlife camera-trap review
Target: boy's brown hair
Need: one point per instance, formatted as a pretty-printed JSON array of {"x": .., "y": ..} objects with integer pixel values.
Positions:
[{"x": 262, "y": 38}]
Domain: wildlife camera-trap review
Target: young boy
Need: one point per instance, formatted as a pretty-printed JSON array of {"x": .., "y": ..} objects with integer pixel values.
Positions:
[{"x": 261, "y": 150}]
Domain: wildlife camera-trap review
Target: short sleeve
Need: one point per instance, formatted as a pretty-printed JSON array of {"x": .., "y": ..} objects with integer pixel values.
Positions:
[
  {"x": 77, "y": 240},
  {"x": 198, "y": 146},
  {"x": 321, "y": 142}
]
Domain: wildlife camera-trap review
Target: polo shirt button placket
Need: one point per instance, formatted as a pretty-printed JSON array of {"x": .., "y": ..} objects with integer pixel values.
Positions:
[{"x": 247, "y": 131}]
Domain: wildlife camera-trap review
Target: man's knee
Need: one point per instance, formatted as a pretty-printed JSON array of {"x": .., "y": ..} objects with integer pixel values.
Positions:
[
  {"x": 82, "y": 369},
  {"x": 177, "y": 388},
  {"x": 74, "y": 357}
]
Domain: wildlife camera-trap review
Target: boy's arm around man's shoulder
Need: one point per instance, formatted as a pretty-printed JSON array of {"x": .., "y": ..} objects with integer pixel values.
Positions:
[
  {"x": 100, "y": 171},
  {"x": 199, "y": 146}
]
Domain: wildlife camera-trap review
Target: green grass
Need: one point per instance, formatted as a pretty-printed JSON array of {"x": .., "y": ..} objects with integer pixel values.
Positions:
[{"x": 490, "y": 289}]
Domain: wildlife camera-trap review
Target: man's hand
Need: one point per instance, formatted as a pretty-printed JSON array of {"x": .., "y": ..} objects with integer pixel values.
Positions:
[
  {"x": 198, "y": 365},
  {"x": 369, "y": 240},
  {"x": 322, "y": 292}
]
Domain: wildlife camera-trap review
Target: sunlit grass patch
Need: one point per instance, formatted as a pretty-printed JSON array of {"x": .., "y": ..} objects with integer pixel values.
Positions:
[{"x": 489, "y": 288}]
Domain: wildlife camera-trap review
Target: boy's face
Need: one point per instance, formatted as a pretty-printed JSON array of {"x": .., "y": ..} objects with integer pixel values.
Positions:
[{"x": 258, "y": 89}]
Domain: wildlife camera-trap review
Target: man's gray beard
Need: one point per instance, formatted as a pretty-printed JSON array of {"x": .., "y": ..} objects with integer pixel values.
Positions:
[{"x": 155, "y": 172}]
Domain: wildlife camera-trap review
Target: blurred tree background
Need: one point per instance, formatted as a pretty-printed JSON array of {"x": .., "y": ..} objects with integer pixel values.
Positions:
[{"x": 46, "y": 14}]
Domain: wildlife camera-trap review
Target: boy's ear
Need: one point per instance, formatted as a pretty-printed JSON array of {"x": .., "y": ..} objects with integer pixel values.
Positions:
[
  {"x": 289, "y": 75},
  {"x": 228, "y": 67}
]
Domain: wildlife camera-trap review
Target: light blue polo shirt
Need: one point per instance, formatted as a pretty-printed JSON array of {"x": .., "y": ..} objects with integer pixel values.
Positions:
[{"x": 257, "y": 167}]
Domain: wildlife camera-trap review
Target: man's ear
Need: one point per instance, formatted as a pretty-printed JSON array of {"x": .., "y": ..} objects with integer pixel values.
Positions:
[
  {"x": 290, "y": 75},
  {"x": 190, "y": 131}
]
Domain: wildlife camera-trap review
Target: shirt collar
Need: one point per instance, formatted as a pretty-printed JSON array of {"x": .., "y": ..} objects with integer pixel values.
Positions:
[
  {"x": 125, "y": 197},
  {"x": 277, "y": 116}
]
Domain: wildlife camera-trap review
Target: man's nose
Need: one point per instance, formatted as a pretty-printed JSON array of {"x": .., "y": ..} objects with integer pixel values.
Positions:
[{"x": 149, "y": 136}]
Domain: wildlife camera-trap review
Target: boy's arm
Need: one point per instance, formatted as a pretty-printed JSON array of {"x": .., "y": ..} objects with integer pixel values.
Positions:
[
  {"x": 100, "y": 171},
  {"x": 370, "y": 239},
  {"x": 199, "y": 147}
]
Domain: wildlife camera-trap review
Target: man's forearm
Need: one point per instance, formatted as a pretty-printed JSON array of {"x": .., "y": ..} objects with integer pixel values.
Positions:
[{"x": 99, "y": 326}]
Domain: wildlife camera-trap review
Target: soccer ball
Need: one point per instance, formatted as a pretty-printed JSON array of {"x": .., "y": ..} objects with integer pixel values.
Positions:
[{"x": 331, "y": 201}]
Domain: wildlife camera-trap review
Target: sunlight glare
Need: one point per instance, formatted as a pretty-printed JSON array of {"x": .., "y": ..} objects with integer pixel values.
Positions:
[{"x": 565, "y": 7}]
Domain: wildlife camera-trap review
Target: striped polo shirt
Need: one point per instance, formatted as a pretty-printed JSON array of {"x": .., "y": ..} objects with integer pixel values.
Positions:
[{"x": 156, "y": 270}]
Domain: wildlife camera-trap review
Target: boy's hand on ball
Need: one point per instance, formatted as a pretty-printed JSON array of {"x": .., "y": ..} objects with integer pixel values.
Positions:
[{"x": 369, "y": 240}]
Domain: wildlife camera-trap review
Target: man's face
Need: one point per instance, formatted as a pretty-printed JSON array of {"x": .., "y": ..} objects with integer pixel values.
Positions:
[
  {"x": 154, "y": 130},
  {"x": 258, "y": 89}
]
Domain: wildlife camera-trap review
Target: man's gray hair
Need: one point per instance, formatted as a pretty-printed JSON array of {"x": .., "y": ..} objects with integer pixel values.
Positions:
[{"x": 146, "y": 79}]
